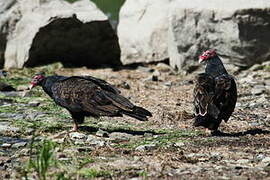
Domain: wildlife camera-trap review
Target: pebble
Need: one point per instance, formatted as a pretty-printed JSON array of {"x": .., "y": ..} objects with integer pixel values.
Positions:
[
  {"x": 6, "y": 127},
  {"x": 257, "y": 90},
  {"x": 266, "y": 160},
  {"x": 118, "y": 136},
  {"x": 243, "y": 161},
  {"x": 145, "y": 69},
  {"x": 77, "y": 135},
  {"x": 95, "y": 141},
  {"x": 102, "y": 133},
  {"x": 6, "y": 145},
  {"x": 146, "y": 147},
  {"x": 179, "y": 144},
  {"x": 18, "y": 145},
  {"x": 23, "y": 87},
  {"x": 163, "y": 67},
  {"x": 34, "y": 103}
]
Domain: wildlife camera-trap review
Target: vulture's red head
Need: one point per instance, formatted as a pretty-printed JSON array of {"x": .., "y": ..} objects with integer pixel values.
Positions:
[
  {"x": 207, "y": 55},
  {"x": 36, "y": 80}
]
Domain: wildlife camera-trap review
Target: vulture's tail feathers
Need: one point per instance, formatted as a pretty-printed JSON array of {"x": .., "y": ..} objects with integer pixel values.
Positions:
[{"x": 138, "y": 113}]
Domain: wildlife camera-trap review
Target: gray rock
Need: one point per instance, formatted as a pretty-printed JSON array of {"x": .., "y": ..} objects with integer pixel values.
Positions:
[
  {"x": 118, "y": 136},
  {"x": 19, "y": 145},
  {"x": 256, "y": 67},
  {"x": 95, "y": 141},
  {"x": 102, "y": 133},
  {"x": 7, "y": 127},
  {"x": 146, "y": 147},
  {"x": 34, "y": 103},
  {"x": 143, "y": 31},
  {"x": 39, "y": 31},
  {"x": 266, "y": 160},
  {"x": 243, "y": 161},
  {"x": 5, "y": 145},
  {"x": 77, "y": 135},
  {"x": 162, "y": 67},
  {"x": 257, "y": 90},
  {"x": 23, "y": 87},
  {"x": 195, "y": 26},
  {"x": 144, "y": 69},
  {"x": 179, "y": 144},
  {"x": 17, "y": 94}
]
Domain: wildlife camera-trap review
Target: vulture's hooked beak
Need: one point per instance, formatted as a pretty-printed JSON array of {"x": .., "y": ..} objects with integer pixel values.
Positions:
[
  {"x": 200, "y": 60},
  {"x": 31, "y": 86}
]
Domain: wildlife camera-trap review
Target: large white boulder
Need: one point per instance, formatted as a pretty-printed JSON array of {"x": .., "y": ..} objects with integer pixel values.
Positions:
[
  {"x": 238, "y": 29},
  {"x": 55, "y": 30},
  {"x": 142, "y": 31}
]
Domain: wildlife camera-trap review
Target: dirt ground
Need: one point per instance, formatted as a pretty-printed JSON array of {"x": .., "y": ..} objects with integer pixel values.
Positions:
[{"x": 165, "y": 147}]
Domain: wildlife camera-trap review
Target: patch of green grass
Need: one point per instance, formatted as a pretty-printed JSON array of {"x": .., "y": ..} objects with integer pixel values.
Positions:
[
  {"x": 43, "y": 160},
  {"x": 267, "y": 68},
  {"x": 143, "y": 174},
  {"x": 161, "y": 140}
]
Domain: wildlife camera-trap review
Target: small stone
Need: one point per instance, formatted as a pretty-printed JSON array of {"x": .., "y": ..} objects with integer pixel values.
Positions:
[
  {"x": 34, "y": 103},
  {"x": 163, "y": 67},
  {"x": 147, "y": 135},
  {"x": 59, "y": 140},
  {"x": 77, "y": 135},
  {"x": 118, "y": 136},
  {"x": 259, "y": 157},
  {"x": 257, "y": 90},
  {"x": 95, "y": 141},
  {"x": 6, "y": 127},
  {"x": 145, "y": 69},
  {"x": 146, "y": 147},
  {"x": 18, "y": 145},
  {"x": 168, "y": 83},
  {"x": 179, "y": 144},
  {"x": 23, "y": 87},
  {"x": 102, "y": 133},
  {"x": 266, "y": 160},
  {"x": 239, "y": 178},
  {"x": 266, "y": 63},
  {"x": 256, "y": 67},
  {"x": 243, "y": 161},
  {"x": 124, "y": 85},
  {"x": 5, "y": 145}
]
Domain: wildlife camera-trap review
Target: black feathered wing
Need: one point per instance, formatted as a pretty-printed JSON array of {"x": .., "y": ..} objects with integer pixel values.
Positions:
[
  {"x": 225, "y": 95},
  {"x": 92, "y": 96},
  {"x": 203, "y": 94},
  {"x": 214, "y": 97}
]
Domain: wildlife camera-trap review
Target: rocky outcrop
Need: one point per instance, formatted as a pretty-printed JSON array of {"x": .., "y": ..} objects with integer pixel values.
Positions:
[
  {"x": 154, "y": 30},
  {"x": 239, "y": 30},
  {"x": 5, "y": 21},
  {"x": 55, "y": 30},
  {"x": 142, "y": 31}
]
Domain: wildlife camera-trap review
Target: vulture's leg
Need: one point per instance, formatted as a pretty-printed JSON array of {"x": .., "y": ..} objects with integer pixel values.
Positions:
[
  {"x": 78, "y": 118},
  {"x": 75, "y": 127}
]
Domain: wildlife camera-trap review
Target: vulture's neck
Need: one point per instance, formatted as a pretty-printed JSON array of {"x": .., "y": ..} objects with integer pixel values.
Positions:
[
  {"x": 47, "y": 84},
  {"x": 215, "y": 67}
]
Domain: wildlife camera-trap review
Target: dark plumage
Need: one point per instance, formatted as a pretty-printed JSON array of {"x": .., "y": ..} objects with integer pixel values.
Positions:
[
  {"x": 215, "y": 93},
  {"x": 88, "y": 96},
  {"x": 3, "y": 86}
]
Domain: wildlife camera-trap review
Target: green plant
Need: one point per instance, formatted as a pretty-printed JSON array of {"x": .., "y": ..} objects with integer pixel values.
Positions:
[{"x": 43, "y": 160}]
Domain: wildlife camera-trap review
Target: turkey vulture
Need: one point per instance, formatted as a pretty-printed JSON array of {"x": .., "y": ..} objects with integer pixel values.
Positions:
[
  {"x": 88, "y": 96},
  {"x": 3, "y": 86},
  {"x": 215, "y": 93}
]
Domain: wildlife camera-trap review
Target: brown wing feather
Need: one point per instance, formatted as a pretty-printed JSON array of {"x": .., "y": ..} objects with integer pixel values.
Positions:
[
  {"x": 79, "y": 94},
  {"x": 203, "y": 93},
  {"x": 226, "y": 95}
]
